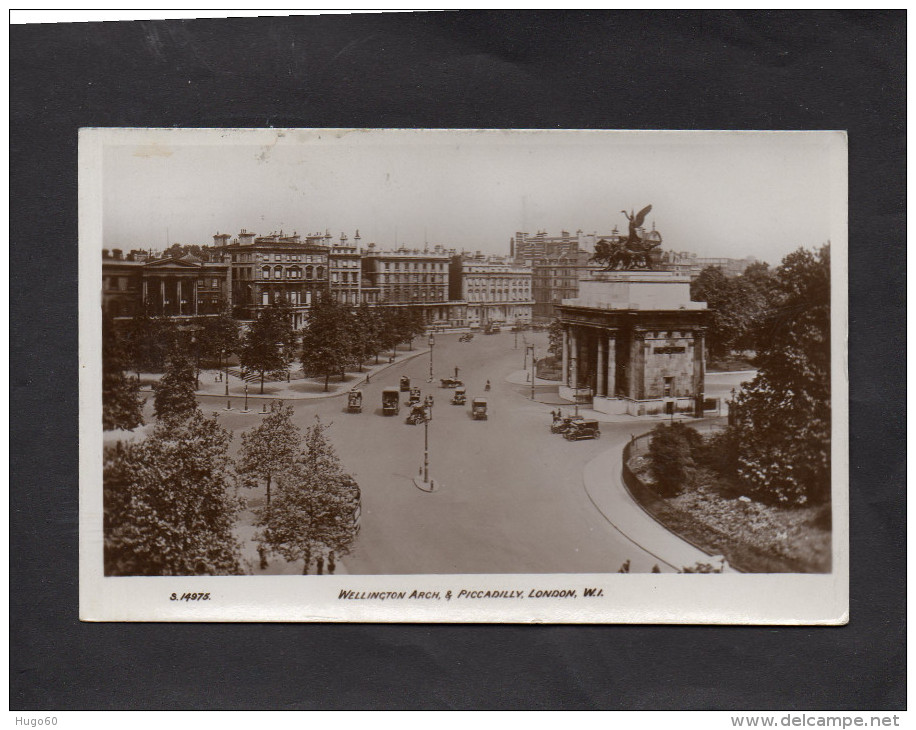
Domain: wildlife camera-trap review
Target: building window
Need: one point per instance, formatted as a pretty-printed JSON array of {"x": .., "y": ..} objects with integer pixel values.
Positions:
[
  {"x": 265, "y": 272},
  {"x": 319, "y": 272}
]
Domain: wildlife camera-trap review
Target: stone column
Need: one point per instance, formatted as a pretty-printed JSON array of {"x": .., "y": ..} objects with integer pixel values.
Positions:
[
  {"x": 611, "y": 366},
  {"x": 565, "y": 355},
  {"x": 574, "y": 358},
  {"x": 699, "y": 370},
  {"x": 162, "y": 296},
  {"x": 637, "y": 387},
  {"x": 145, "y": 293},
  {"x": 602, "y": 359},
  {"x": 194, "y": 296}
]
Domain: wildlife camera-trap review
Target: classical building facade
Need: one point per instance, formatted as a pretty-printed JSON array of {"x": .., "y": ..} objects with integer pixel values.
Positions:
[
  {"x": 633, "y": 342},
  {"x": 411, "y": 278},
  {"x": 496, "y": 290},
  {"x": 345, "y": 265},
  {"x": 278, "y": 267},
  {"x": 173, "y": 286}
]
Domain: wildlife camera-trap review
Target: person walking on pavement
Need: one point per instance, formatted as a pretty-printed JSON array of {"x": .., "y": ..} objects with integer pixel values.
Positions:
[{"x": 487, "y": 387}]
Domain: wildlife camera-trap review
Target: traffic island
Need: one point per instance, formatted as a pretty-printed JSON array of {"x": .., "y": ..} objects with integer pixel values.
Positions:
[{"x": 432, "y": 485}]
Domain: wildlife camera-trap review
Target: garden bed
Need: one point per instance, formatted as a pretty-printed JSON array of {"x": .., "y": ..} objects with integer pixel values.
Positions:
[{"x": 754, "y": 537}]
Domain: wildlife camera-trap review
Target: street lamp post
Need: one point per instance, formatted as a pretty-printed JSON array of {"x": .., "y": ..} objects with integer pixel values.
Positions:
[
  {"x": 246, "y": 397},
  {"x": 432, "y": 343},
  {"x": 533, "y": 367},
  {"x": 516, "y": 333},
  {"x": 226, "y": 356}
]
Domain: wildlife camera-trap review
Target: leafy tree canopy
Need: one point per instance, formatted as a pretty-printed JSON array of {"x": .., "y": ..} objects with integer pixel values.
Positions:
[
  {"x": 269, "y": 344},
  {"x": 122, "y": 405},
  {"x": 270, "y": 448},
  {"x": 313, "y": 510},
  {"x": 782, "y": 424},
  {"x": 169, "y": 504},
  {"x": 175, "y": 391}
]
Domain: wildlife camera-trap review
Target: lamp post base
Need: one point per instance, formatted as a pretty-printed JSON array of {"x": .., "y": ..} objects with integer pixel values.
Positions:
[{"x": 432, "y": 485}]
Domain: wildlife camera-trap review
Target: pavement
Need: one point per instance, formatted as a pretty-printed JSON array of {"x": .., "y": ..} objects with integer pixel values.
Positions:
[{"x": 212, "y": 382}]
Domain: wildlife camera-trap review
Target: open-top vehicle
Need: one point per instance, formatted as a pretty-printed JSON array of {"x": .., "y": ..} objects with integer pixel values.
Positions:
[
  {"x": 460, "y": 398},
  {"x": 479, "y": 409},
  {"x": 355, "y": 401},
  {"x": 585, "y": 429},
  {"x": 405, "y": 383},
  {"x": 391, "y": 401},
  {"x": 414, "y": 397},
  {"x": 562, "y": 425},
  {"x": 466, "y": 337},
  {"x": 449, "y": 382},
  {"x": 417, "y": 414}
]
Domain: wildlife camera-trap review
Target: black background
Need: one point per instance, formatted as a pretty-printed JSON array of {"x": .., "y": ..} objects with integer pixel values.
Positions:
[{"x": 667, "y": 70}]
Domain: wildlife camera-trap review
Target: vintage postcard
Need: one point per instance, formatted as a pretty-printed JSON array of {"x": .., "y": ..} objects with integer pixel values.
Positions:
[{"x": 545, "y": 376}]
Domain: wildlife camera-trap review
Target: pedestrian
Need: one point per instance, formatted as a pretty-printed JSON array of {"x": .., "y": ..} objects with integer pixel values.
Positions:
[
  {"x": 320, "y": 564},
  {"x": 625, "y": 568},
  {"x": 332, "y": 563}
]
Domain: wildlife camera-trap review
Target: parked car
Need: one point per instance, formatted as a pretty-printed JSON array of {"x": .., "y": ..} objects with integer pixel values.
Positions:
[{"x": 582, "y": 430}]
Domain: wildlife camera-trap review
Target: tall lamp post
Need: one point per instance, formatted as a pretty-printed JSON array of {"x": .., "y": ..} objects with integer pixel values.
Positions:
[
  {"x": 516, "y": 333},
  {"x": 533, "y": 366},
  {"x": 432, "y": 343}
]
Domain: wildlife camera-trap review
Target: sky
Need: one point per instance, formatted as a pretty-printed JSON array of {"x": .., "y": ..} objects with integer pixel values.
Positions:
[{"x": 714, "y": 194}]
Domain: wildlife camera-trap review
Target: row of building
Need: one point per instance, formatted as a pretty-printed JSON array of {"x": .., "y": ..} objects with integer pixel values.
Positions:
[{"x": 247, "y": 272}]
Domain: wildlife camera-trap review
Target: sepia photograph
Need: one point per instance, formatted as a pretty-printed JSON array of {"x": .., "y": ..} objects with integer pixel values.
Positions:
[{"x": 463, "y": 376}]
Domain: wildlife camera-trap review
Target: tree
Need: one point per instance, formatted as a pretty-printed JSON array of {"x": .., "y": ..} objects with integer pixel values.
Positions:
[
  {"x": 122, "y": 405},
  {"x": 366, "y": 338},
  {"x": 148, "y": 341},
  {"x": 219, "y": 337},
  {"x": 270, "y": 448},
  {"x": 328, "y": 342},
  {"x": 782, "y": 417},
  {"x": 389, "y": 328},
  {"x": 671, "y": 457},
  {"x": 269, "y": 345},
  {"x": 411, "y": 325},
  {"x": 555, "y": 338},
  {"x": 314, "y": 505},
  {"x": 168, "y": 502},
  {"x": 175, "y": 392}
]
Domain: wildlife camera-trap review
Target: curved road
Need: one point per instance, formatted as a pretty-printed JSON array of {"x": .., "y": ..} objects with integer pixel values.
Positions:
[{"x": 510, "y": 495}]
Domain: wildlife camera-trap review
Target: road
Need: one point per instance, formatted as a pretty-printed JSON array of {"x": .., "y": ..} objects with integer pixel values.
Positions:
[{"x": 510, "y": 496}]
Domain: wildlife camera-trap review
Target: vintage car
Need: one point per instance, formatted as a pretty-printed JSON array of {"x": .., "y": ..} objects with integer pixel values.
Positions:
[
  {"x": 491, "y": 329},
  {"x": 355, "y": 401},
  {"x": 460, "y": 398},
  {"x": 479, "y": 409},
  {"x": 391, "y": 401},
  {"x": 563, "y": 424},
  {"x": 466, "y": 337},
  {"x": 449, "y": 382},
  {"x": 414, "y": 397},
  {"x": 584, "y": 429},
  {"x": 405, "y": 384},
  {"x": 417, "y": 415}
]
